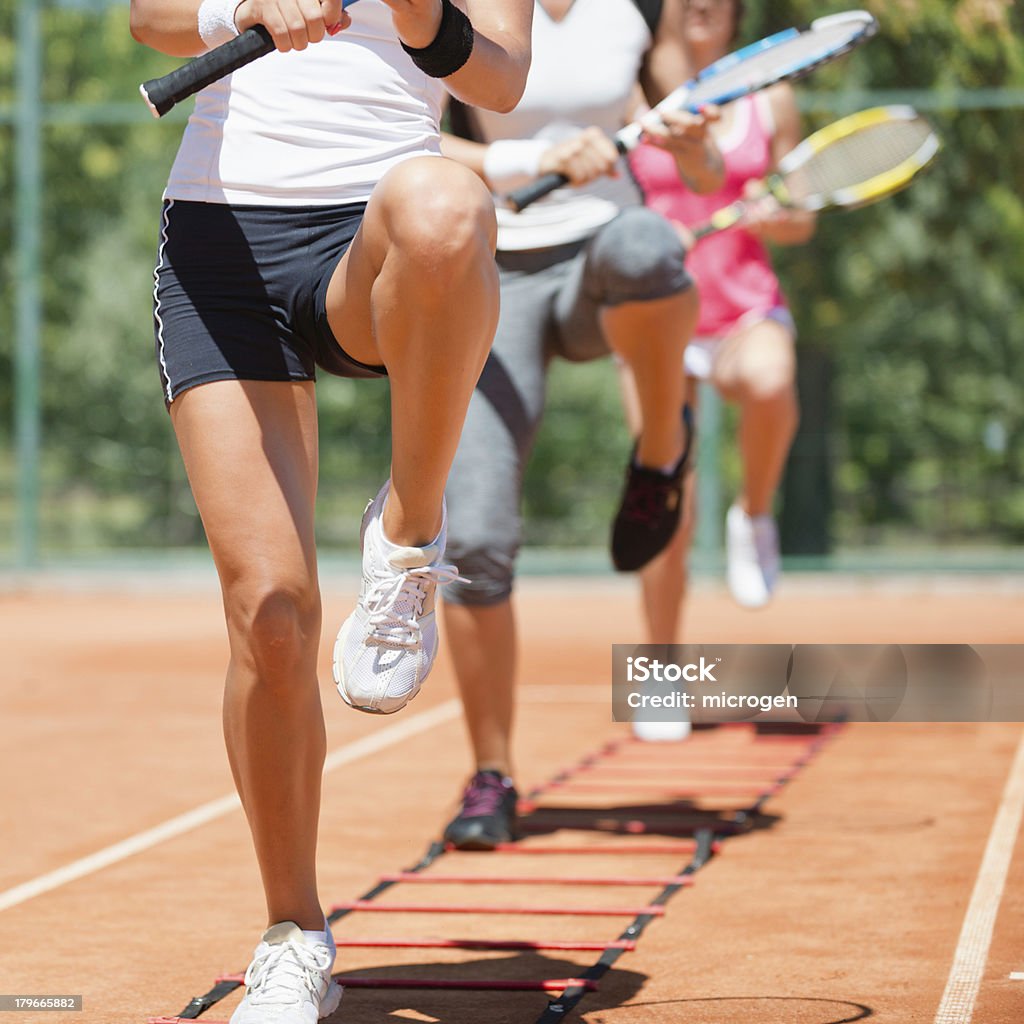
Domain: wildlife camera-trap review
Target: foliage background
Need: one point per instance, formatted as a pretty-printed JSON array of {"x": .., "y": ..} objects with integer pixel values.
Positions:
[{"x": 911, "y": 341}]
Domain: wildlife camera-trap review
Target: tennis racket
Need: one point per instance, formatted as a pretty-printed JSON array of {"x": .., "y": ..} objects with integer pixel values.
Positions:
[
  {"x": 851, "y": 162},
  {"x": 165, "y": 93},
  {"x": 781, "y": 57}
]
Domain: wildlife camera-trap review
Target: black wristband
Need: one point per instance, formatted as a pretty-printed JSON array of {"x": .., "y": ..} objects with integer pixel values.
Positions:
[{"x": 451, "y": 46}]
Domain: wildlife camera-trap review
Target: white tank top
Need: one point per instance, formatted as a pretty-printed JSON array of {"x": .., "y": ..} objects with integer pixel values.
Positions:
[
  {"x": 584, "y": 71},
  {"x": 311, "y": 128}
]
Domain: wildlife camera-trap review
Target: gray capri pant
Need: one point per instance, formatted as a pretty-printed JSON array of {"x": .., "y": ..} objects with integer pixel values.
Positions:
[{"x": 550, "y": 304}]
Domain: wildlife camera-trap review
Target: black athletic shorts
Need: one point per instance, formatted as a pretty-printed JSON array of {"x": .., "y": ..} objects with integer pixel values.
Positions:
[{"x": 241, "y": 293}]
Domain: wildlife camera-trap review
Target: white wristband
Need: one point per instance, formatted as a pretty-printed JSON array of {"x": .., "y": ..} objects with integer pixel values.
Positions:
[
  {"x": 217, "y": 21},
  {"x": 508, "y": 161}
]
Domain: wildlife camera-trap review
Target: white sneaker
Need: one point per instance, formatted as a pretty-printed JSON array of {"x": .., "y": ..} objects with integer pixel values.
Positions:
[
  {"x": 752, "y": 547},
  {"x": 289, "y": 979},
  {"x": 386, "y": 647},
  {"x": 672, "y": 729},
  {"x": 662, "y": 732}
]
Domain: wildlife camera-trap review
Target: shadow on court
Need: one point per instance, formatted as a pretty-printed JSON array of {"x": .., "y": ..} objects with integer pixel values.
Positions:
[
  {"x": 665, "y": 819},
  {"x": 752, "y": 1009},
  {"x": 376, "y": 1006}
]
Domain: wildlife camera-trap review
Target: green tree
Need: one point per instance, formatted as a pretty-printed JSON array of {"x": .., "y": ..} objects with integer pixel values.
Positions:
[{"x": 908, "y": 311}]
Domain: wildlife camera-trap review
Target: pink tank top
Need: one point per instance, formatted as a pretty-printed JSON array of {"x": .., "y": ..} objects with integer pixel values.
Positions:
[{"x": 732, "y": 269}]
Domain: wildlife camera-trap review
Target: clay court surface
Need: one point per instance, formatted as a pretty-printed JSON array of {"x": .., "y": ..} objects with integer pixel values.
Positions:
[{"x": 844, "y": 903}]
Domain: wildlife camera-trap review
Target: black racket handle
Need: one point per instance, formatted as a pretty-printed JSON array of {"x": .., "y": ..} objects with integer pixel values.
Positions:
[
  {"x": 161, "y": 94},
  {"x": 521, "y": 198}
]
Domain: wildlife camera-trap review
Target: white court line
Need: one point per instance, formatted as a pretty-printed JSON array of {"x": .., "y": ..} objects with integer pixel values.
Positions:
[
  {"x": 372, "y": 744},
  {"x": 958, "y": 1000}
]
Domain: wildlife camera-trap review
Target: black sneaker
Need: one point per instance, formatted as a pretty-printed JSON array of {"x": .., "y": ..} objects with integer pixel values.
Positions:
[
  {"x": 488, "y": 813},
  {"x": 652, "y": 503}
]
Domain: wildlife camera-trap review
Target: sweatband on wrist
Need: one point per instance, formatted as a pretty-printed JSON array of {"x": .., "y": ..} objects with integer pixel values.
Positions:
[
  {"x": 451, "y": 47},
  {"x": 509, "y": 160},
  {"x": 217, "y": 21}
]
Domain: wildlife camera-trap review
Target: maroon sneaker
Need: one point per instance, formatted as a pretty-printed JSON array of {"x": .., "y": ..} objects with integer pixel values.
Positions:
[
  {"x": 487, "y": 816},
  {"x": 652, "y": 504}
]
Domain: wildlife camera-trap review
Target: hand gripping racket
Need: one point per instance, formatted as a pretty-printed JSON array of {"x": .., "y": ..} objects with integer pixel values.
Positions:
[
  {"x": 163, "y": 94},
  {"x": 851, "y": 162},
  {"x": 781, "y": 57}
]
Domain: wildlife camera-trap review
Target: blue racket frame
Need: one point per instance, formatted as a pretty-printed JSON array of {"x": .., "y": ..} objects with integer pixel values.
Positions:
[{"x": 700, "y": 90}]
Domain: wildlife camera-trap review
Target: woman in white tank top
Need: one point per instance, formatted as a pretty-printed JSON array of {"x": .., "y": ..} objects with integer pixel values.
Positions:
[{"x": 310, "y": 221}]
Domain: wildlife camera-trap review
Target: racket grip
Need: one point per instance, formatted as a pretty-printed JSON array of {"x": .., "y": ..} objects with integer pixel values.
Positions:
[
  {"x": 521, "y": 198},
  {"x": 162, "y": 94}
]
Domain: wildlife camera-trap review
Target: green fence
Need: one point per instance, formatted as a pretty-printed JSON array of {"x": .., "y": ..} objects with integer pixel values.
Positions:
[{"x": 911, "y": 338}]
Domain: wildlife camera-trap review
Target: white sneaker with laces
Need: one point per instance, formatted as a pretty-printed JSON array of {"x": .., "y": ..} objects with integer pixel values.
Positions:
[
  {"x": 289, "y": 979},
  {"x": 386, "y": 647},
  {"x": 752, "y": 548}
]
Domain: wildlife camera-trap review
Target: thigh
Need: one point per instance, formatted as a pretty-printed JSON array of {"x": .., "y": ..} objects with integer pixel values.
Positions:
[
  {"x": 411, "y": 206},
  {"x": 250, "y": 451},
  {"x": 758, "y": 358},
  {"x": 637, "y": 257},
  {"x": 578, "y": 336}
]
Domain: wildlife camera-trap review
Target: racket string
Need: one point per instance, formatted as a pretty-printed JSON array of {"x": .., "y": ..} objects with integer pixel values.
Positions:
[{"x": 857, "y": 159}]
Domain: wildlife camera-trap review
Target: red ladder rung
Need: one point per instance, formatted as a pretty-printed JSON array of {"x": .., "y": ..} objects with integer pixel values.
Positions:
[
  {"x": 180, "y": 1020},
  {"x": 367, "y": 906},
  {"x": 671, "y": 786},
  {"x": 481, "y": 944},
  {"x": 419, "y": 878},
  {"x": 658, "y": 759},
  {"x": 687, "y": 768},
  {"x": 603, "y": 819},
  {"x": 612, "y": 849},
  {"x": 483, "y": 985},
  {"x": 632, "y": 828},
  {"x": 694, "y": 749}
]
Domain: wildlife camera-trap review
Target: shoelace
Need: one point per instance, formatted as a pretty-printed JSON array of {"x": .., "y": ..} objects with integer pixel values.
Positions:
[
  {"x": 395, "y": 601},
  {"x": 285, "y": 971},
  {"x": 483, "y": 796}
]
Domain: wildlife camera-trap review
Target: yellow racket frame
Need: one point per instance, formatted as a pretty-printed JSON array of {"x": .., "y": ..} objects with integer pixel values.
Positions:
[{"x": 870, "y": 191}]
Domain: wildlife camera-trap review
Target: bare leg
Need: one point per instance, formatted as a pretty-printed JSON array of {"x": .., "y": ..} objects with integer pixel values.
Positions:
[
  {"x": 664, "y": 580},
  {"x": 651, "y": 337},
  {"x": 757, "y": 368},
  {"x": 250, "y": 449},
  {"x": 482, "y": 642},
  {"x": 418, "y": 292}
]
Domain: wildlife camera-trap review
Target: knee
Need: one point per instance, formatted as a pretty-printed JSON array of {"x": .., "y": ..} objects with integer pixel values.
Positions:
[
  {"x": 489, "y": 569},
  {"x": 771, "y": 383},
  {"x": 440, "y": 214},
  {"x": 638, "y": 257},
  {"x": 275, "y": 628}
]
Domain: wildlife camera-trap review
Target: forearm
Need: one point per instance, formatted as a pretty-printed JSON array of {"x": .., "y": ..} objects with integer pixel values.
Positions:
[
  {"x": 494, "y": 77},
  {"x": 170, "y": 26},
  {"x": 703, "y": 172}
]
